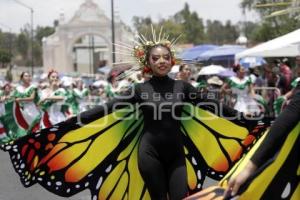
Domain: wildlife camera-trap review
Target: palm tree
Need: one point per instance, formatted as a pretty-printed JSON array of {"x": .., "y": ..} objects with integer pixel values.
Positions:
[
  {"x": 284, "y": 8},
  {"x": 278, "y": 8}
]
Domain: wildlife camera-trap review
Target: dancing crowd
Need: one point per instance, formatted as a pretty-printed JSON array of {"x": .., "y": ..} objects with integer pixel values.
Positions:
[{"x": 162, "y": 153}]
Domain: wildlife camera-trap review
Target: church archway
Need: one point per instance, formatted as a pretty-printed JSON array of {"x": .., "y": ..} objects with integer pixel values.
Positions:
[{"x": 90, "y": 29}]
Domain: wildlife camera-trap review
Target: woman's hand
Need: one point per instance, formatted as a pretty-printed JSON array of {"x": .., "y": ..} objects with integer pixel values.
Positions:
[{"x": 235, "y": 183}]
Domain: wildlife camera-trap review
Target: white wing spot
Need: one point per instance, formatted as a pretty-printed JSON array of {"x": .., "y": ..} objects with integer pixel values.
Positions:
[
  {"x": 199, "y": 174},
  {"x": 108, "y": 169},
  {"x": 58, "y": 183},
  {"x": 7, "y": 147},
  {"x": 287, "y": 190},
  {"x": 194, "y": 161},
  {"x": 99, "y": 183}
]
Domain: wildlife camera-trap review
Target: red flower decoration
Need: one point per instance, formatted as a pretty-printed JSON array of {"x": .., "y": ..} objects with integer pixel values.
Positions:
[
  {"x": 147, "y": 69},
  {"x": 139, "y": 53},
  {"x": 173, "y": 62}
]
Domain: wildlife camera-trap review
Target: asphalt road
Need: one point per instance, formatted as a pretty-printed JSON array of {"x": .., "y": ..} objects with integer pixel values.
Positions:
[{"x": 11, "y": 187}]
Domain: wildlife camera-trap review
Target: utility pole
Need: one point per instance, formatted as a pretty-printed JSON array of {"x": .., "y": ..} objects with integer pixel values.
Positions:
[
  {"x": 31, "y": 30},
  {"x": 113, "y": 32}
]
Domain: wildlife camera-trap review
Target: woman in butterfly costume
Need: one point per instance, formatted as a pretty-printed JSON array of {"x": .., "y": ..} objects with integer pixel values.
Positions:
[{"x": 155, "y": 141}]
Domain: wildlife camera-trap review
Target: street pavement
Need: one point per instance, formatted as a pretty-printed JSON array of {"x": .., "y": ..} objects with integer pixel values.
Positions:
[{"x": 11, "y": 187}]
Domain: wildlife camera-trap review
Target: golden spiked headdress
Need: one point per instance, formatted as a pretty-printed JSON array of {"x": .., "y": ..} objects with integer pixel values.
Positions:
[{"x": 144, "y": 44}]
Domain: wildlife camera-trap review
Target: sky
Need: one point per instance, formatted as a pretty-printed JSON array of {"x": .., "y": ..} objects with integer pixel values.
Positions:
[{"x": 13, "y": 16}]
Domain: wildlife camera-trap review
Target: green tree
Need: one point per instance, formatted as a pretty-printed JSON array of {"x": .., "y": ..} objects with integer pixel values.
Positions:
[
  {"x": 214, "y": 31},
  {"x": 23, "y": 45},
  {"x": 37, "y": 54},
  {"x": 192, "y": 25},
  {"x": 174, "y": 30},
  {"x": 42, "y": 32},
  {"x": 184, "y": 23},
  {"x": 142, "y": 24},
  {"x": 271, "y": 27},
  {"x": 5, "y": 57},
  {"x": 217, "y": 33},
  {"x": 230, "y": 33}
]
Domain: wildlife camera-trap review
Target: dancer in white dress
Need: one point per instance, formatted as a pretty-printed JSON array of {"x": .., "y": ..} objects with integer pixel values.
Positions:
[
  {"x": 5, "y": 94},
  {"x": 26, "y": 98},
  {"x": 52, "y": 102},
  {"x": 82, "y": 96},
  {"x": 242, "y": 89}
]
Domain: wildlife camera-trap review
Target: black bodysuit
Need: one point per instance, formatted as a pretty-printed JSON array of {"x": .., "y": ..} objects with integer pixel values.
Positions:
[{"x": 161, "y": 158}]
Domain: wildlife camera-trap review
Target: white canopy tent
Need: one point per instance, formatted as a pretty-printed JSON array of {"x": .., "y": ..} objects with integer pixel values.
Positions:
[
  {"x": 211, "y": 70},
  {"x": 284, "y": 46}
]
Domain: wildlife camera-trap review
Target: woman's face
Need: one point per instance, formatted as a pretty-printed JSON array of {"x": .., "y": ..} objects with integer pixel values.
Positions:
[
  {"x": 26, "y": 78},
  {"x": 160, "y": 61},
  {"x": 241, "y": 72},
  {"x": 186, "y": 71},
  {"x": 7, "y": 89},
  {"x": 54, "y": 79},
  {"x": 79, "y": 84}
]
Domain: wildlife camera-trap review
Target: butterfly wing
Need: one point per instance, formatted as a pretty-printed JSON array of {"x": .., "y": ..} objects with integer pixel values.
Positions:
[
  {"x": 278, "y": 178},
  {"x": 215, "y": 142},
  {"x": 100, "y": 155}
]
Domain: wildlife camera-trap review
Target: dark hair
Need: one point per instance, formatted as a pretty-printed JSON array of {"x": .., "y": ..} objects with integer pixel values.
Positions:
[
  {"x": 236, "y": 67},
  {"x": 277, "y": 62},
  {"x": 112, "y": 75},
  {"x": 155, "y": 46},
  {"x": 22, "y": 74},
  {"x": 286, "y": 62},
  {"x": 51, "y": 71},
  {"x": 182, "y": 66},
  {"x": 5, "y": 85}
]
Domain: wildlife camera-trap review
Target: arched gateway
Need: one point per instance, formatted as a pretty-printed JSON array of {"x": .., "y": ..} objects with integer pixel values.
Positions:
[{"x": 84, "y": 43}]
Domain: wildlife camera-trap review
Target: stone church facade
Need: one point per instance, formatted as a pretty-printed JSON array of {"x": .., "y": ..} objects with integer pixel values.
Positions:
[{"x": 87, "y": 36}]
